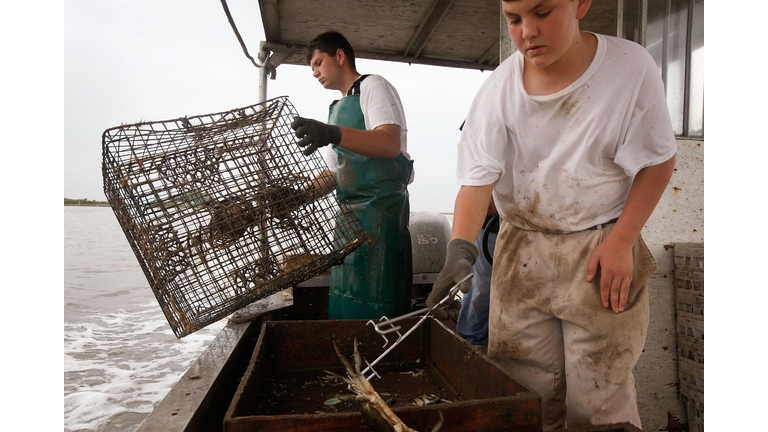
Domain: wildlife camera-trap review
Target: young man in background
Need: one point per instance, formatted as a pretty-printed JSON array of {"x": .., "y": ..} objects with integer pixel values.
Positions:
[{"x": 369, "y": 166}]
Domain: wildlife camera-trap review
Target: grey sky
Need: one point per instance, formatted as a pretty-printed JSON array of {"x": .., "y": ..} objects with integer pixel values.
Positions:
[{"x": 143, "y": 60}]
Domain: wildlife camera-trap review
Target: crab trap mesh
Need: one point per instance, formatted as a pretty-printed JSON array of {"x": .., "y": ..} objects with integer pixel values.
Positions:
[{"x": 213, "y": 209}]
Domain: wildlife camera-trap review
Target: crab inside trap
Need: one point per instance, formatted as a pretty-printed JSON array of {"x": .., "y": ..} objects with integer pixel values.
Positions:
[
  {"x": 286, "y": 384},
  {"x": 212, "y": 207}
]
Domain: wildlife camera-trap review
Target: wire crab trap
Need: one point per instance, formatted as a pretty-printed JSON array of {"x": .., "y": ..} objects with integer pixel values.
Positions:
[{"x": 211, "y": 206}]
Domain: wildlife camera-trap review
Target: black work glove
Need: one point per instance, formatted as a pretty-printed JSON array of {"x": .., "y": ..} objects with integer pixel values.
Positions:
[
  {"x": 461, "y": 255},
  {"x": 315, "y": 134}
]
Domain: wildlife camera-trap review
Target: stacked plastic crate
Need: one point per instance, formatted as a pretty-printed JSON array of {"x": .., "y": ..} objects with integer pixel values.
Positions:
[{"x": 689, "y": 296}]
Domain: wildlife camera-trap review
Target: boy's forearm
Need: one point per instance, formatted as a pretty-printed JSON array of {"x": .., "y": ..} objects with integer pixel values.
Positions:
[
  {"x": 470, "y": 210},
  {"x": 321, "y": 185},
  {"x": 646, "y": 191},
  {"x": 381, "y": 142}
]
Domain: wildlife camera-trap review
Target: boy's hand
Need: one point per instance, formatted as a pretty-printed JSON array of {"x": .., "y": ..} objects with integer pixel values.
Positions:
[
  {"x": 460, "y": 257},
  {"x": 315, "y": 134},
  {"x": 614, "y": 254},
  {"x": 616, "y": 266}
]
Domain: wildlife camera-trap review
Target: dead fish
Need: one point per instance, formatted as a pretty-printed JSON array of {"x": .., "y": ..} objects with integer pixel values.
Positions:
[{"x": 425, "y": 400}]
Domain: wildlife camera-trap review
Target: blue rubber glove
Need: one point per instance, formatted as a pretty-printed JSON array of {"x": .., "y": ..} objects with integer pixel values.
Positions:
[
  {"x": 461, "y": 255},
  {"x": 314, "y": 134}
]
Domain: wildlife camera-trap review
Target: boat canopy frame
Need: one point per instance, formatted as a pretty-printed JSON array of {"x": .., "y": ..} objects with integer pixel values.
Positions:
[{"x": 449, "y": 33}]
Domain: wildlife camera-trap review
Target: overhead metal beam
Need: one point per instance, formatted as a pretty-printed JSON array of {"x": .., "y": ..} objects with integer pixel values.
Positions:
[
  {"x": 287, "y": 53},
  {"x": 420, "y": 27},
  {"x": 427, "y": 26},
  {"x": 270, "y": 17},
  {"x": 292, "y": 54},
  {"x": 490, "y": 54}
]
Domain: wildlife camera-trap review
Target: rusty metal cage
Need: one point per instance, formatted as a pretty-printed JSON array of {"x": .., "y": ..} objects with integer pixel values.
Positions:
[{"x": 213, "y": 209}]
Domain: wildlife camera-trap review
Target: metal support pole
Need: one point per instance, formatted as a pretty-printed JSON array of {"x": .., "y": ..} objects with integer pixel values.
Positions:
[
  {"x": 644, "y": 22},
  {"x": 620, "y": 18},
  {"x": 262, "y": 85},
  {"x": 263, "y": 181},
  {"x": 263, "y": 72}
]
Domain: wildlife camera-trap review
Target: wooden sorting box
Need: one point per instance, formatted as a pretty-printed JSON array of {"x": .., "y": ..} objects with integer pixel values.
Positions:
[{"x": 285, "y": 385}]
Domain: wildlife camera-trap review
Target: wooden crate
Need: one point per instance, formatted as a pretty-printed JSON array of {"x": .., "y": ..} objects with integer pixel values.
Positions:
[
  {"x": 693, "y": 397},
  {"x": 690, "y": 325},
  {"x": 689, "y": 303},
  {"x": 690, "y": 348},
  {"x": 691, "y": 373},
  {"x": 285, "y": 386},
  {"x": 689, "y": 300},
  {"x": 689, "y": 281},
  {"x": 689, "y": 256}
]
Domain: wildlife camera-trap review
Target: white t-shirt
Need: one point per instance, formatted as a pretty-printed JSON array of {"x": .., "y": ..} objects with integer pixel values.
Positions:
[
  {"x": 565, "y": 162},
  {"x": 381, "y": 105}
]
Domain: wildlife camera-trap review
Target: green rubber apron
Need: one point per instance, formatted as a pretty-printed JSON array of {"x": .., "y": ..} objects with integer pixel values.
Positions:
[{"x": 375, "y": 280}]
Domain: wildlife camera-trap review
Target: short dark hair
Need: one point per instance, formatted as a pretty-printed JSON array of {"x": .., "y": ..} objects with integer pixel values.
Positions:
[{"x": 330, "y": 42}]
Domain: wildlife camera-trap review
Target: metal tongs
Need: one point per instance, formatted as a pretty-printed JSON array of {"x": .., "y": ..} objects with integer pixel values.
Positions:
[{"x": 386, "y": 325}]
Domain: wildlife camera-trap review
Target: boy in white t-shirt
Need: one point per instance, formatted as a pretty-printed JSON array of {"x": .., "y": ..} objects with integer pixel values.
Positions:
[{"x": 572, "y": 137}]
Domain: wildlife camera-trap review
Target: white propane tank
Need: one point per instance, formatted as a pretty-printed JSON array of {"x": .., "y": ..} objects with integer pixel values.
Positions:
[{"x": 430, "y": 233}]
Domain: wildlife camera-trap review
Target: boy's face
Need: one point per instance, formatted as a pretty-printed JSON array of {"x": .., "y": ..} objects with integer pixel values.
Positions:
[
  {"x": 326, "y": 69},
  {"x": 544, "y": 30}
]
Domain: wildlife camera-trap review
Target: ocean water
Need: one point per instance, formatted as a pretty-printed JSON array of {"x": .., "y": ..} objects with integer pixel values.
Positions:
[{"x": 120, "y": 355}]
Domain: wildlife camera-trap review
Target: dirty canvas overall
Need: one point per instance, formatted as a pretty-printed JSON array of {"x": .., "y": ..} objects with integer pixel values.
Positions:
[
  {"x": 375, "y": 280},
  {"x": 549, "y": 329}
]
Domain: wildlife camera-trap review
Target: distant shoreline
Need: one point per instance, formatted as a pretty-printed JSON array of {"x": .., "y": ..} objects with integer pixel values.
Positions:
[
  {"x": 87, "y": 205},
  {"x": 84, "y": 203}
]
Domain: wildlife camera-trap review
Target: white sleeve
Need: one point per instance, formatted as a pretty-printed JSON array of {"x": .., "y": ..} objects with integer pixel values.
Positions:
[
  {"x": 380, "y": 103},
  {"x": 483, "y": 140},
  {"x": 650, "y": 139},
  {"x": 475, "y": 166}
]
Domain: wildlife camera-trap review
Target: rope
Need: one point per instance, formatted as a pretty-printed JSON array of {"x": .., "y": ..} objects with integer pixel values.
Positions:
[{"x": 237, "y": 33}]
